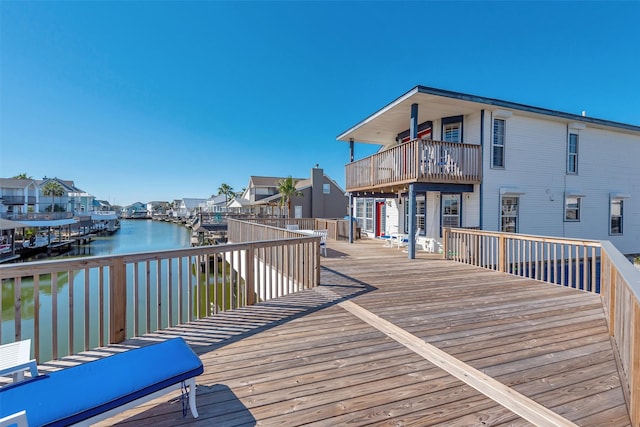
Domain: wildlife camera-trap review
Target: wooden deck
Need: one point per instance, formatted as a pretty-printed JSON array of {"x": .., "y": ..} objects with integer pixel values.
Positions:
[{"x": 391, "y": 341}]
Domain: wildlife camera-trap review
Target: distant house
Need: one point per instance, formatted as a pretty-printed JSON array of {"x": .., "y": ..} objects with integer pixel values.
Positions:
[
  {"x": 187, "y": 207},
  {"x": 321, "y": 197},
  {"x": 449, "y": 159},
  {"x": 158, "y": 207},
  {"x": 135, "y": 211},
  {"x": 18, "y": 196},
  {"x": 215, "y": 204}
]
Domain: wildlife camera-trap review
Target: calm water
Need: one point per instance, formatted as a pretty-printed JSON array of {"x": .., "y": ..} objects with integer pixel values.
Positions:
[{"x": 133, "y": 236}]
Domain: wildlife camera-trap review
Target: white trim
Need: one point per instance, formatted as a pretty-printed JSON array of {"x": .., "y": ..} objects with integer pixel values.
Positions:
[
  {"x": 502, "y": 114},
  {"x": 511, "y": 191},
  {"x": 577, "y": 126},
  {"x": 617, "y": 195},
  {"x": 575, "y": 193}
]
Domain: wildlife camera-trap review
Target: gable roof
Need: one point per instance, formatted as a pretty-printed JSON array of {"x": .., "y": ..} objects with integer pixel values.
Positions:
[
  {"x": 16, "y": 183},
  {"x": 384, "y": 125}
]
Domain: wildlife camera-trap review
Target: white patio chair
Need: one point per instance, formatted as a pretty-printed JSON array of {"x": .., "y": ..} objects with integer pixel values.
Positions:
[
  {"x": 14, "y": 360},
  {"x": 323, "y": 240}
]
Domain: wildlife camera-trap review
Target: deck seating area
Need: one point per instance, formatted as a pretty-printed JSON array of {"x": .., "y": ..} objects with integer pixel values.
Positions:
[{"x": 386, "y": 340}]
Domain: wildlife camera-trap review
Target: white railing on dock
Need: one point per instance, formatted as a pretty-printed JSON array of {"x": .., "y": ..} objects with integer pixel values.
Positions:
[
  {"x": 68, "y": 306},
  {"x": 587, "y": 265}
]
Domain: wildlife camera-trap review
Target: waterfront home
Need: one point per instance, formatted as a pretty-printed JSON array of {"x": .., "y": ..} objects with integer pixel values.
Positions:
[
  {"x": 215, "y": 204},
  {"x": 187, "y": 207},
  {"x": 157, "y": 207},
  {"x": 320, "y": 197},
  {"x": 135, "y": 210},
  {"x": 450, "y": 159},
  {"x": 18, "y": 196}
]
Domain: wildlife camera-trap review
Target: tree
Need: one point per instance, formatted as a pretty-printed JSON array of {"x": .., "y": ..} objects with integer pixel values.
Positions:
[
  {"x": 227, "y": 190},
  {"x": 53, "y": 189},
  {"x": 287, "y": 190},
  {"x": 21, "y": 176}
]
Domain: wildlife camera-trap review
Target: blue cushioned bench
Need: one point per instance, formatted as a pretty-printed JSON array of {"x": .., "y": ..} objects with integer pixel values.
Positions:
[{"x": 93, "y": 391}]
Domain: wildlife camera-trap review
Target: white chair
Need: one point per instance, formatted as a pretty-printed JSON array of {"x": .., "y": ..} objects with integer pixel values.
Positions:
[
  {"x": 15, "y": 360},
  {"x": 323, "y": 240}
]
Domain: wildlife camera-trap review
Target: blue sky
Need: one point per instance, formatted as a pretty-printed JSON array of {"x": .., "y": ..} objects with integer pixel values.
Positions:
[{"x": 145, "y": 100}]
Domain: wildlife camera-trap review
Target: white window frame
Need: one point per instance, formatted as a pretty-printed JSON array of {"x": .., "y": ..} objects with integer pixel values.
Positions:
[
  {"x": 620, "y": 201},
  {"x": 443, "y": 207},
  {"x": 326, "y": 188},
  {"x": 572, "y": 207},
  {"x": 449, "y": 128},
  {"x": 512, "y": 213},
  {"x": 572, "y": 155},
  {"x": 498, "y": 142}
]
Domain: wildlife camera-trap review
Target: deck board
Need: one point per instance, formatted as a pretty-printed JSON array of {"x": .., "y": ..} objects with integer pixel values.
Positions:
[{"x": 305, "y": 360}]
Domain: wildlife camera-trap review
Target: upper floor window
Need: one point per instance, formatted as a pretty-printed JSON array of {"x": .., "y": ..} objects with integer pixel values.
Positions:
[
  {"x": 572, "y": 208},
  {"x": 452, "y": 129},
  {"x": 326, "y": 188},
  {"x": 497, "y": 155},
  {"x": 616, "y": 215},
  {"x": 572, "y": 154}
]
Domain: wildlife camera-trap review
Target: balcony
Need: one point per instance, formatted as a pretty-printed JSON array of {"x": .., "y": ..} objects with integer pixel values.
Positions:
[
  {"x": 18, "y": 200},
  {"x": 424, "y": 161}
]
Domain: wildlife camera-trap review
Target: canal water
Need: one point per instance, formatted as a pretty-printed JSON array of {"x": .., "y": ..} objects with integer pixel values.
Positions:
[{"x": 134, "y": 236}]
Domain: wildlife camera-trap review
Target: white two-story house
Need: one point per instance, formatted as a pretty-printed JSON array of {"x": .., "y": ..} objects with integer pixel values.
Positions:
[{"x": 449, "y": 159}]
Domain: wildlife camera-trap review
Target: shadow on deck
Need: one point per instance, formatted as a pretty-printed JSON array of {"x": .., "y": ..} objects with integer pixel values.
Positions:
[{"x": 363, "y": 349}]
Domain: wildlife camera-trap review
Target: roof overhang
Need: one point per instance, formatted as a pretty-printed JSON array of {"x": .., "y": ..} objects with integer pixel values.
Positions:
[
  {"x": 383, "y": 126},
  {"x": 49, "y": 223}
]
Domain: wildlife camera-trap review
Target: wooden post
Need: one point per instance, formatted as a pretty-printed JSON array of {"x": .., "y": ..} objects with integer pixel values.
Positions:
[
  {"x": 502, "y": 253},
  {"x": 249, "y": 279},
  {"x": 611, "y": 296},
  {"x": 445, "y": 243},
  {"x": 117, "y": 301},
  {"x": 634, "y": 374}
]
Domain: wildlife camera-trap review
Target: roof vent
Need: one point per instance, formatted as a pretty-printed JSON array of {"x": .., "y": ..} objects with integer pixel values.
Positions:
[{"x": 584, "y": 113}]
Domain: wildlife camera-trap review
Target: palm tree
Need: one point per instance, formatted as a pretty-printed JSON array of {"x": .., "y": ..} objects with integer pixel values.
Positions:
[
  {"x": 21, "y": 176},
  {"x": 53, "y": 189},
  {"x": 287, "y": 190},
  {"x": 227, "y": 190}
]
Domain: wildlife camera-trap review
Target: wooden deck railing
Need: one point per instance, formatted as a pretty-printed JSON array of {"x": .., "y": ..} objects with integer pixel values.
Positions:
[
  {"x": 68, "y": 306},
  {"x": 416, "y": 161},
  {"x": 588, "y": 265},
  {"x": 338, "y": 229}
]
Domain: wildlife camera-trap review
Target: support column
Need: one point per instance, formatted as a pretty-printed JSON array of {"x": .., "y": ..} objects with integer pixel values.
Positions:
[
  {"x": 411, "y": 244},
  {"x": 413, "y": 126},
  {"x": 350, "y": 226}
]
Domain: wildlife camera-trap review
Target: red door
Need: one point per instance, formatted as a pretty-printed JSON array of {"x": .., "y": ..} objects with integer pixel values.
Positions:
[{"x": 380, "y": 220}]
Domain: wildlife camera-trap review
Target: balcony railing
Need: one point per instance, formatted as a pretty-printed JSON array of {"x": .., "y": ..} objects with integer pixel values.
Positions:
[
  {"x": 416, "y": 161},
  {"x": 588, "y": 265},
  {"x": 18, "y": 200},
  {"x": 37, "y": 216}
]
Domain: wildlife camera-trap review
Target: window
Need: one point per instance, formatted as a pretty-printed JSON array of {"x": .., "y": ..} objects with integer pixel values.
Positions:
[
  {"x": 420, "y": 214},
  {"x": 452, "y": 129},
  {"x": 572, "y": 208},
  {"x": 572, "y": 154},
  {"x": 326, "y": 188},
  {"x": 451, "y": 210},
  {"x": 616, "y": 215},
  {"x": 509, "y": 215},
  {"x": 497, "y": 157}
]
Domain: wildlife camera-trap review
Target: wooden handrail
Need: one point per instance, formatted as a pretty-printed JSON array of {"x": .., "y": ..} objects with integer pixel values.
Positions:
[
  {"x": 588, "y": 265},
  {"x": 133, "y": 294}
]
